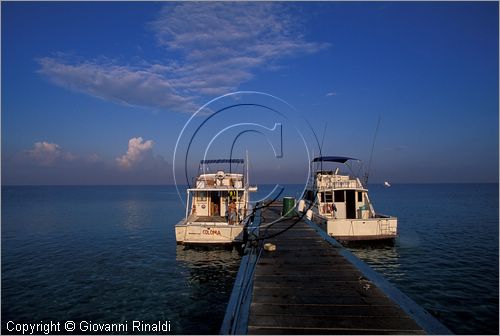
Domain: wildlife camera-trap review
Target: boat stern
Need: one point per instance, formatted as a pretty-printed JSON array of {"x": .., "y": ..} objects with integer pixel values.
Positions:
[
  {"x": 378, "y": 228},
  {"x": 208, "y": 234}
]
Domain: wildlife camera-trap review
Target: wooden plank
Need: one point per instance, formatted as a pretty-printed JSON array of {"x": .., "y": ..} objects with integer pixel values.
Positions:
[
  {"x": 308, "y": 278},
  {"x": 333, "y": 322},
  {"x": 285, "y": 289},
  {"x": 304, "y": 268},
  {"x": 317, "y": 284},
  {"x": 283, "y": 271},
  {"x": 326, "y": 310},
  {"x": 306, "y": 261},
  {"x": 318, "y": 331},
  {"x": 332, "y": 300},
  {"x": 297, "y": 256}
]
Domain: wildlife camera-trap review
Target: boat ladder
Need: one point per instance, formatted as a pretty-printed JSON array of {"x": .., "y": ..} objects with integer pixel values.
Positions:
[{"x": 384, "y": 227}]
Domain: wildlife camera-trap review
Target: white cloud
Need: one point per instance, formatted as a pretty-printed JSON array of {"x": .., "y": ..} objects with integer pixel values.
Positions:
[
  {"x": 217, "y": 47},
  {"x": 118, "y": 83},
  {"x": 138, "y": 150},
  {"x": 331, "y": 94},
  {"x": 47, "y": 154}
]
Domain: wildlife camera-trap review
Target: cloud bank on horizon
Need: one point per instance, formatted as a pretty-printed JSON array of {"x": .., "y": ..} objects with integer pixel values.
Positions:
[{"x": 139, "y": 165}]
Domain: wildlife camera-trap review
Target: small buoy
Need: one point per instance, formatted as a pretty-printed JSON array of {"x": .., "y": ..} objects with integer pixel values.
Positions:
[
  {"x": 269, "y": 247},
  {"x": 302, "y": 205}
]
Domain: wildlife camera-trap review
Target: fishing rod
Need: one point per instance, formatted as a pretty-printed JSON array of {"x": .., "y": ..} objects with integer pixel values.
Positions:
[{"x": 373, "y": 147}]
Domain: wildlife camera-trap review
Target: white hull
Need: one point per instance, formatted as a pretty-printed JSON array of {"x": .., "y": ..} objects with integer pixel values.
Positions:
[
  {"x": 204, "y": 233},
  {"x": 359, "y": 229}
]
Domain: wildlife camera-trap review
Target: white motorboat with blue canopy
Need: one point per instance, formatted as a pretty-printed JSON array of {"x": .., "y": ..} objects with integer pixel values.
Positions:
[
  {"x": 218, "y": 205},
  {"x": 340, "y": 204}
]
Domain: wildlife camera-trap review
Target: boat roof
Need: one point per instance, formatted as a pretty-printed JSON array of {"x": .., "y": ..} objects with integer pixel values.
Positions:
[
  {"x": 339, "y": 159},
  {"x": 222, "y": 161},
  {"x": 211, "y": 175},
  {"x": 221, "y": 188}
]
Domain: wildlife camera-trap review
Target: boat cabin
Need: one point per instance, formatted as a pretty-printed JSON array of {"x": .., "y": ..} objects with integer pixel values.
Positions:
[
  {"x": 341, "y": 196},
  {"x": 213, "y": 194}
]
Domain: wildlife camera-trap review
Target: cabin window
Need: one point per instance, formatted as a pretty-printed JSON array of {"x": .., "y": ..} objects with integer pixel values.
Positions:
[
  {"x": 322, "y": 197},
  {"x": 360, "y": 197},
  {"x": 339, "y": 195},
  {"x": 328, "y": 197},
  {"x": 202, "y": 196}
]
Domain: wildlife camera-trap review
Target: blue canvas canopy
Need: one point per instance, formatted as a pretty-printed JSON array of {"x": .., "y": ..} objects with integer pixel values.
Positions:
[
  {"x": 339, "y": 159},
  {"x": 222, "y": 161}
]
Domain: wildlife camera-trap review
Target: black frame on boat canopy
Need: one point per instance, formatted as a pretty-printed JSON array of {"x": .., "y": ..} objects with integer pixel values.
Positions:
[
  {"x": 222, "y": 161},
  {"x": 339, "y": 159}
]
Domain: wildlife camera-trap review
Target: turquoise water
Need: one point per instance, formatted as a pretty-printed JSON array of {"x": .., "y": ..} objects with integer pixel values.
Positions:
[{"x": 108, "y": 255}]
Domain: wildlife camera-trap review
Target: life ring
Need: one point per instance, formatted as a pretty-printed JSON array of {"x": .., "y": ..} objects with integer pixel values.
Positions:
[{"x": 203, "y": 206}]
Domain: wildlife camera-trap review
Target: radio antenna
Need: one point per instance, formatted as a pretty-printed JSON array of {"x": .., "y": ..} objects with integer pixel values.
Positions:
[
  {"x": 371, "y": 153},
  {"x": 322, "y": 140}
]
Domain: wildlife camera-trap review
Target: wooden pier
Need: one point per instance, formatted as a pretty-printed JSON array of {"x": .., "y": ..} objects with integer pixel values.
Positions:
[{"x": 312, "y": 285}]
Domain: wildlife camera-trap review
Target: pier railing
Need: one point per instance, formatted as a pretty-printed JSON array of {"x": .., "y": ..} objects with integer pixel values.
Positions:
[{"x": 236, "y": 318}]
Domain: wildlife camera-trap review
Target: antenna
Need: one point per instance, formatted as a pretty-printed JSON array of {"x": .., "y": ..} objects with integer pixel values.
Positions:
[
  {"x": 321, "y": 147},
  {"x": 322, "y": 140},
  {"x": 371, "y": 153},
  {"x": 246, "y": 166}
]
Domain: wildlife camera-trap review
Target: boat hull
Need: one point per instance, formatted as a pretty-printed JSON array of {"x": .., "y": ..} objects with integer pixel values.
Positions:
[
  {"x": 208, "y": 234},
  {"x": 350, "y": 230}
]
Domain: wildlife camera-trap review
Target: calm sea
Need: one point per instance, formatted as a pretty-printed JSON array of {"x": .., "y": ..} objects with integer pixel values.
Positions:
[{"x": 108, "y": 255}]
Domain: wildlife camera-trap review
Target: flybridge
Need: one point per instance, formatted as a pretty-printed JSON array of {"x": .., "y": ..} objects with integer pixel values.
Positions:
[{"x": 222, "y": 161}]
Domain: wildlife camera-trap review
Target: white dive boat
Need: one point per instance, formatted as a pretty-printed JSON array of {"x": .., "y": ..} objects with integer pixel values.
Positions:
[
  {"x": 208, "y": 219},
  {"x": 340, "y": 205}
]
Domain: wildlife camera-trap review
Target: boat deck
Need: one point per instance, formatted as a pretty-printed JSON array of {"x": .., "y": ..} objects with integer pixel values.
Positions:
[{"x": 308, "y": 286}]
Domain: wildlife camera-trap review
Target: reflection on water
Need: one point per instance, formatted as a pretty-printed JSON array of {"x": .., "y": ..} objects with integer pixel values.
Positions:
[
  {"x": 382, "y": 257},
  {"x": 210, "y": 276},
  {"x": 132, "y": 212}
]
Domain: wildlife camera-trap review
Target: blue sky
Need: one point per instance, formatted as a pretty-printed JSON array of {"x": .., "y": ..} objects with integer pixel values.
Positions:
[{"x": 98, "y": 93}]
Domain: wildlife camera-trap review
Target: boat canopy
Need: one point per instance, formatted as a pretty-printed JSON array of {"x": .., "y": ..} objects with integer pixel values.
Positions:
[
  {"x": 339, "y": 159},
  {"x": 222, "y": 161}
]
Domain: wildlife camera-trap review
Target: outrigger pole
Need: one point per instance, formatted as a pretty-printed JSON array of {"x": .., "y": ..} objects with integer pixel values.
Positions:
[{"x": 371, "y": 153}]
